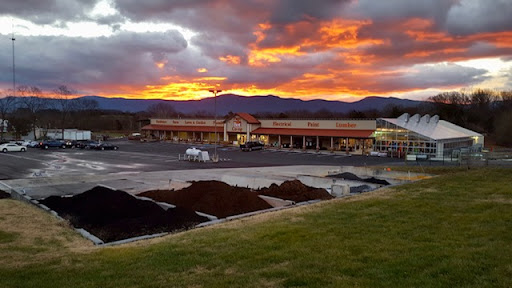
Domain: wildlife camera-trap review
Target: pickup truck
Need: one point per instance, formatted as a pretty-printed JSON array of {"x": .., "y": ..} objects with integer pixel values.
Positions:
[
  {"x": 52, "y": 144},
  {"x": 251, "y": 145}
]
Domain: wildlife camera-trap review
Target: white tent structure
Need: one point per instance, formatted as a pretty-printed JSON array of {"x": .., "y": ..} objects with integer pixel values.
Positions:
[
  {"x": 423, "y": 135},
  {"x": 69, "y": 134}
]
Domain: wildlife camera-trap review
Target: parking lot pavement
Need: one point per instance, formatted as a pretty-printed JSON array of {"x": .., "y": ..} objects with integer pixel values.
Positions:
[{"x": 134, "y": 156}]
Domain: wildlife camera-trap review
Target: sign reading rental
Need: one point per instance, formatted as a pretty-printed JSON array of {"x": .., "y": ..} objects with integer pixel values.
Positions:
[{"x": 321, "y": 124}]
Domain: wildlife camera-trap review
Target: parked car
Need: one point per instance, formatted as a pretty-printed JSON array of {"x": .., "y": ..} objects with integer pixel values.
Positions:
[
  {"x": 12, "y": 147},
  {"x": 70, "y": 143},
  {"x": 86, "y": 144},
  {"x": 252, "y": 145},
  {"x": 29, "y": 143},
  {"x": 135, "y": 136},
  {"x": 52, "y": 144},
  {"x": 105, "y": 146}
]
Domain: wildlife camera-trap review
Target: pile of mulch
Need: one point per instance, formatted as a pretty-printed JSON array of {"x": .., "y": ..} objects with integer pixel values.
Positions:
[
  {"x": 4, "y": 195},
  {"x": 113, "y": 215},
  {"x": 351, "y": 176},
  {"x": 295, "y": 190},
  {"x": 212, "y": 197}
]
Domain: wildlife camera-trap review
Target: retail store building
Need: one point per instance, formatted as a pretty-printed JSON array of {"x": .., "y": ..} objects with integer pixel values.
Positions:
[{"x": 396, "y": 136}]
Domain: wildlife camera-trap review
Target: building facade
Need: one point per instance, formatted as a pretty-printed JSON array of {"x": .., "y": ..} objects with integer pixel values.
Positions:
[
  {"x": 396, "y": 136},
  {"x": 423, "y": 135}
]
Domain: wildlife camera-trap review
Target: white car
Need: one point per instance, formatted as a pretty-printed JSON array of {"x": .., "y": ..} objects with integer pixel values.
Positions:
[{"x": 12, "y": 147}]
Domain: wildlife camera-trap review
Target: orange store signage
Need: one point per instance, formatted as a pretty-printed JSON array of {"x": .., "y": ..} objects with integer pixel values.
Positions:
[
  {"x": 320, "y": 124},
  {"x": 345, "y": 125},
  {"x": 281, "y": 124},
  {"x": 237, "y": 125}
]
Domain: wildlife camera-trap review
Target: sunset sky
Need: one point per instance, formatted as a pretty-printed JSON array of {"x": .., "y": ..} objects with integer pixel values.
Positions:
[{"x": 326, "y": 49}]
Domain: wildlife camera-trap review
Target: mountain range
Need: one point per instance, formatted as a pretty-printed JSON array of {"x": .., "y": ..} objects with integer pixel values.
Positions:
[{"x": 255, "y": 104}]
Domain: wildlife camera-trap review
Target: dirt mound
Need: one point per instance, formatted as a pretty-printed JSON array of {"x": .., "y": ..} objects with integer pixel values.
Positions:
[
  {"x": 295, "y": 191},
  {"x": 4, "y": 195},
  {"x": 212, "y": 197},
  {"x": 376, "y": 181},
  {"x": 346, "y": 176},
  {"x": 360, "y": 189},
  {"x": 351, "y": 176},
  {"x": 113, "y": 215}
]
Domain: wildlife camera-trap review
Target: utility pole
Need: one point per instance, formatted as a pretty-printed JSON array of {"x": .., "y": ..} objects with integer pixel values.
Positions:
[{"x": 215, "y": 157}]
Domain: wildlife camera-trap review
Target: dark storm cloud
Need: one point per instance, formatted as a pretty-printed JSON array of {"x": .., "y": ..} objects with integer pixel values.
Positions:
[
  {"x": 206, "y": 16},
  {"x": 458, "y": 17},
  {"x": 289, "y": 11},
  {"x": 393, "y": 10},
  {"x": 471, "y": 16},
  {"x": 218, "y": 46},
  {"x": 124, "y": 59},
  {"x": 47, "y": 11},
  {"x": 440, "y": 75}
]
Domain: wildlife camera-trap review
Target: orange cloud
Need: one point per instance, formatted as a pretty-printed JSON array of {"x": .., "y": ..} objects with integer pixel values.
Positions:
[
  {"x": 230, "y": 59},
  {"x": 263, "y": 57},
  {"x": 361, "y": 61}
]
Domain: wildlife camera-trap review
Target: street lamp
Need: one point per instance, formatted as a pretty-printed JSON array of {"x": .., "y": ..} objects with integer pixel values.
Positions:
[
  {"x": 13, "y": 69},
  {"x": 215, "y": 157}
]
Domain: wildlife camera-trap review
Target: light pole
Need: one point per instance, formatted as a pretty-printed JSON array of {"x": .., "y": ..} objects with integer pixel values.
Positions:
[
  {"x": 215, "y": 91},
  {"x": 13, "y": 69}
]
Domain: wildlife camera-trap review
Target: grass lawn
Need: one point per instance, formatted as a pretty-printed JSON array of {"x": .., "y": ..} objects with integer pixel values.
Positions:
[{"x": 454, "y": 230}]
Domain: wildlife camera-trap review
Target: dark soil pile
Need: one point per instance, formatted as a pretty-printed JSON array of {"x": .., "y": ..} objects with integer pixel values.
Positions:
[
  {"x": 4, "y": 195},
  {"x": 351, "y": 176},
  {"x": 360, "y": 189},
  {"x": 212, "y": 197},
  {"x": 113, "y": 215},
  {"x": 376, "y": 181},
  {"x": 346, "y": 176},
  {"x": 295, "y": 191}
]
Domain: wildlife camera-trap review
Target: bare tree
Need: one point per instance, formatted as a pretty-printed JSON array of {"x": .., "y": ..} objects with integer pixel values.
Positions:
[
  {"x": 82, "y": 104},
  {"x": 506, "y": 99},
  {"x": 83, "y": 108},
  {"x": 31, "y": 99},
  {"x": 161, "y": 110},
  {"x": 63, "y": 96},
  {"x": 451, "y": 106},
  {"x": 7, "y": 104}
]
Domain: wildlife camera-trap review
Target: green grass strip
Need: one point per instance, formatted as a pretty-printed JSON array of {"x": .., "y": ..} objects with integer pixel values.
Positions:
[{"x": 449, "y": 231}]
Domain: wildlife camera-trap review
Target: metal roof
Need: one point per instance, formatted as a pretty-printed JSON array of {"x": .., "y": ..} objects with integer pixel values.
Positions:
[{"x": 432, "y": 127}]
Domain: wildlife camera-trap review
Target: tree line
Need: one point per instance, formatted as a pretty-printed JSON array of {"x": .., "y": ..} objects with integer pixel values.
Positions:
[{"x": 481, "y": 110}]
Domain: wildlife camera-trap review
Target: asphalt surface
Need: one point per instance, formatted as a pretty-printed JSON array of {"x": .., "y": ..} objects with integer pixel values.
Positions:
[{"x": 134, "y": 156}]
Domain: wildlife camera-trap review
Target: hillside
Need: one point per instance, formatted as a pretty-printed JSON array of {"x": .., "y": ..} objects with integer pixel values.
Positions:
[{"x": 254, "y": 104}]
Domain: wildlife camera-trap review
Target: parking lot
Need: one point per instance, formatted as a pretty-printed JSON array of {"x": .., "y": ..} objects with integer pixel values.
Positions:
[{"x": 134, "y": 156}]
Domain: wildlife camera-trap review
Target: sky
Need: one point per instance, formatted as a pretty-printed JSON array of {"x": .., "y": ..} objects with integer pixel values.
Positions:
[{"x": 327, "y": 49}]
